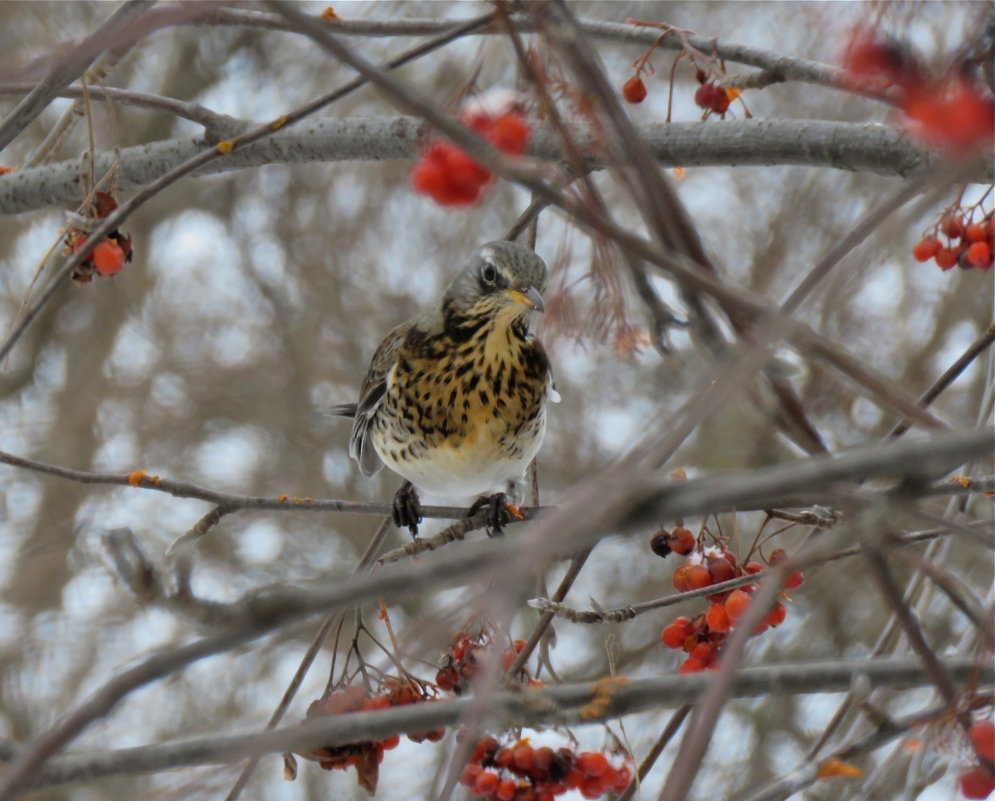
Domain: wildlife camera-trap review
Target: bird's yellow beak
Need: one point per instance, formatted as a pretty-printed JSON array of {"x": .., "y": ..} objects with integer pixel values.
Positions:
[{"x": 530, "y": 298}]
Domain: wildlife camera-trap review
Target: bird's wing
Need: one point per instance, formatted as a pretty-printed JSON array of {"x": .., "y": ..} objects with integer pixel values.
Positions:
[{"x": 370, "y": 397}]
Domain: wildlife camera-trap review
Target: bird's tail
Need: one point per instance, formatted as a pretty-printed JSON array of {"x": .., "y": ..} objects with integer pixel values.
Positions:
[{"x": 345, "y": 409}]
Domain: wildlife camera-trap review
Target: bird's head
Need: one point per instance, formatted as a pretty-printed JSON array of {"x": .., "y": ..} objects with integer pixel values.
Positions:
[{"x": 501, "y": 277}]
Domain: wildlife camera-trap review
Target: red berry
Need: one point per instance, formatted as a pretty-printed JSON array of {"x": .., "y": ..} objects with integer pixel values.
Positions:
[
  {"x": 698, "y": 577},
  {"x": 681, "y": 541},
  {"x": 692, "y": 665},
  {"x": 469, "y": 775},
  {"x": 593, "y": 763},
  {"x": 634, "y": 90},
  {"x": 673, "y": 636},
  {"x": 391, "y": 742},
  {"x": 947, "y": 258},
  {"x": 590, "y": 787},
  {"x": 736, "y": 605},
  {"x": 720, "y": 569},
  {"x": 717, "y": 618},
  {"x": 977, "y": 782},
  {"x": 952, "y": 226},
  {"x": 542, "y": 757},
  {"x": 509, "y": 133},
  {"x": 777, "y": 556},
  {"x": 108, "y": 257},
  {"x": 504, "y": 757},
  {"x": 506, "y": 790},
  {"x": 978, "y": 254},
  {"x": 776, "y": 616},
  {"x": 623, "y": 777},
  {"x": 927, "y": 248},
  {"x": 976, "y": 232},
  {"x": 982, "y": 737},
  {"x": 486, "y": 782},
  {"x": 524, "y": 757},
  {"x": 794, "y": 581},
  {"x": 705, "y": 95},
  {"x": 722, "y": 100},
  {"x": 754, "y": 567},
  {"x": 680, "y": 579}
]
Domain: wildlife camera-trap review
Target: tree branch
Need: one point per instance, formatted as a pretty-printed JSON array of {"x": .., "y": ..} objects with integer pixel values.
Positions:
[{"x": 568, "y": 704}]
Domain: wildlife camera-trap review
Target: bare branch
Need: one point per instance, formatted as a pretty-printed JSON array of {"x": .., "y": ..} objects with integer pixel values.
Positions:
[{"x": 568, "y": 704}]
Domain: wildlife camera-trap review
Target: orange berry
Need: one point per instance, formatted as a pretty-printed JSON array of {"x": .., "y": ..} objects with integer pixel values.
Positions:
[
  {"x": 469, "y": 775},
  {"x": 717, "y": 618},
  {"x": 391, "y": 742},
  {"x": 542, "y": 757},
  {"x": 509, "y": 133},
  {"x": 523, "y": 757},
  {"x": 486, "y": 782},
  {"x": 777, "y": 556},
  {"x": 108, "y": 257},
  {"x": 721, "y": 569},
  {"x": 681, "y": 541},
  {"x": 777, "y": 615},
  {"x": 698, "y": 577},
  {"x": 754, "y": 567},
  {"x": 736, "y": 605},
  {"x": 590, "y": 787},
  {"x": 978, "y": 782},
  {"x": 504, "y": 757},
  {"x": 978, "y": 254},
  {"x": 705, "y": 653},
  {"x": 947, "y": 258},
  {"x": 506, "y": 790},
  {"x": 623, "y": 778},
  {"x": 927, "y": 248},
  {"x": 976, "y": 232},
  {"x": 680, "y": 578},
  {"x": 634, "y": 90},
  {"x": 692, "y": 665},
  {"x": 982, "y": 737},
  {"x": 952, "y": 226},
  {"x": 673, "y": 635},
  {"x": 593, "y": 763},
  {"x": 794, "y": 580}
]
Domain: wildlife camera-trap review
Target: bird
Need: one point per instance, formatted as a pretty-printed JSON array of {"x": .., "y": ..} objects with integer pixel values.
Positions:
[{"x": 454, "y": 401}]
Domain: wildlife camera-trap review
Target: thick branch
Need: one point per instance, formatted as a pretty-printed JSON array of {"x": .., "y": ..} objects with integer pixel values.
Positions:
[
  {"x": 569, "y": 704},
  {"x": 863, "y": 147}
]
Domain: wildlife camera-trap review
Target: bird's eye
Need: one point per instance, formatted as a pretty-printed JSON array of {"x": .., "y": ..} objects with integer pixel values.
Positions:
[{"x": 489, "y": 274}]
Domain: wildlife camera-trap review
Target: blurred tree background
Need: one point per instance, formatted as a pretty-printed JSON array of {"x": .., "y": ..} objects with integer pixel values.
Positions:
[{"x": 253, "y": 305}]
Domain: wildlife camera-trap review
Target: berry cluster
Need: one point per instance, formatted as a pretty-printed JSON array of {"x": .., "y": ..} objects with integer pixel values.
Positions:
[
  {"x": 978, "y": 781},
  {"x": 712, "y": 97},
  {"x": 954, "y": 110},
  {"x": 355, "y": 698},
  {"x": 110, "y": 254},
  {"x": 463, "y": 657},
  {"x": 703, "y": 636},
  {"x": 518, "y": 772},
  {"x": 969, "y": 244},
  {"x": 450, "y": 176}
]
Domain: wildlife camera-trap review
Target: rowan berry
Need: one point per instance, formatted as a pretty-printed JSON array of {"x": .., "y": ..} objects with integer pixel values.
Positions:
[
  {"x": 509, "y": 133},
  {"x": 720, "y": 569},
  {"x": 108, "y": 257},
  {"x": 976, "y": 232},
  {"x": 947, "y": 258},
  {"x": 952, "y": 226},
  {"x": 736, "y": 605},
  {"x": 634, "y": 90},
  {"x": 698, "y": 577},
  {"x": 691, "y": 665},
  {"x": 978, "y": 254},
  {"x": 542, "y": 757},
  {"x": 794, "y": 581},
  {"x": 673, "y": 636},
  {"x": 486, "y": 783},
  {"x": 593, "y": 763},
  {"x": 777, "y": 615},
  {"x": 682, "y": 541},
  {"x": 524, "y": 757},
  {"x": 705, "y": 95},
  {"x": 660, "y": 543},
  {"x": 506, "y": 790},
  {"x": 754, "y": 567},
  {"x": 468, "y": 777},
  {"x": 623, "y": 778},
  {"x": 717, "y": 618},
  {"x": 590, "y": 787},
  {"x": 982, "y": 737},
  {"x": 927, "y": 248},
  {"x": 391, "y": 742},
  {"x": 681, "y": 577},
  {"x": 977, "y": 782}
]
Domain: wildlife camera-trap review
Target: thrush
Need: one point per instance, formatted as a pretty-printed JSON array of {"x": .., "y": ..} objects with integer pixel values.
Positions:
[{"x": 455, "y": 400}]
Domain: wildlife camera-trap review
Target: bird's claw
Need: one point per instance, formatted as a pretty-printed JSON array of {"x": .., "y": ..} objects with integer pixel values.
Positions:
[
  {"x": 406, "y": 508},
  {"x": 499, "y": 512}
]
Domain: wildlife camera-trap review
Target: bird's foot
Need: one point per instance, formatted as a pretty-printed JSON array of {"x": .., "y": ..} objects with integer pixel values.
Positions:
[
  {"x": 499, "y": 512},
  {"x": 406, "y": 508}
]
